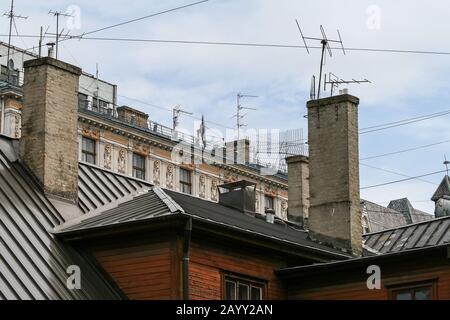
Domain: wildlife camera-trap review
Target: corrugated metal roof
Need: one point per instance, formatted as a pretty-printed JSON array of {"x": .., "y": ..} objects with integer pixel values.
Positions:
[
  {"x": 33, "y": 263},
  {"x": 143, "y": 207},
  {"x": 420, "y": 235},
  {"x": 98, "y": 188}
]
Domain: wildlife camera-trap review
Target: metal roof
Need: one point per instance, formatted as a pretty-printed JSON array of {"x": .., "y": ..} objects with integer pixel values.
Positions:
[
  {"x": 143, "y": 207},
  {"x": 33, "y": 263},
  {"x": 157, "y": 203},
  {"x": 414, "y": 236},
  {"x": 100, "y": 188}
]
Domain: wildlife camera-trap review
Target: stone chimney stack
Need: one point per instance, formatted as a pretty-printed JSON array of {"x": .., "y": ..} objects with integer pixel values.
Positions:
[
  {"x": 49, "y": 143},
  {"x": 335, "y": 213},
  {"x": 298, "y": 184}
]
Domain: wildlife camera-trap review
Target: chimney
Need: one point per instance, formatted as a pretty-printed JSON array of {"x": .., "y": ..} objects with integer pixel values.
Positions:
[
  {"x": 49, "y": 143},
  {"x": 335, "y": 213},
  {"x": 298, "y": 184},
  {"x": 238, "y": 151},
  {"x": 240, "y": 195},
  {"x": 133, "y": 116}
]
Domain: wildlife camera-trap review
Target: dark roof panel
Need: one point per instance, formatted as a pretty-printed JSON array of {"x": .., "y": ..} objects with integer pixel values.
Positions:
[{"x": 33, "y": 263}]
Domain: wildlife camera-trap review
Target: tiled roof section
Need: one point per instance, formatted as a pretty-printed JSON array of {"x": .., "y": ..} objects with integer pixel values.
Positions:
[
  {"x": 443, "y": 189},
  {"x": 143, "y": 207},
  {"x": 411, "y": 214},
  {"x": 98, "y": 188},
  {"x": 33, "y": 263},
  {"x": 420, "y": 235},
  {"x": 382, "y": 218}
]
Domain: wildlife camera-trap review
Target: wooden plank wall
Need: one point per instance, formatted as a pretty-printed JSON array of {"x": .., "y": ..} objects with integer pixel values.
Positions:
[
  {"x": 208, "y": 261},
  {"x": 359, "y": 291},
  {"x": 144, "y": 269}
]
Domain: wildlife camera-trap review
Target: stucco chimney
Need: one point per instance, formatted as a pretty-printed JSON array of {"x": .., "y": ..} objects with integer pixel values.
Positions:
[
  {"x": 335, "y": 213},
  {"x": 49, "y": 143},
  {"x": 298, "y": 184}
]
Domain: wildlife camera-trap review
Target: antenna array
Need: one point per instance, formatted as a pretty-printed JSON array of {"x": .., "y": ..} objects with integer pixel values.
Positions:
[
  {"x": 334, "y": 82},
  {"x": 238, "y": 114},
  {"x": 325, "y": 47}
]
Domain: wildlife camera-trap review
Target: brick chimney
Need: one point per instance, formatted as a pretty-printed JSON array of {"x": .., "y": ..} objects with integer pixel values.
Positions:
[
  {"x": 298, "y": 184},
  {"x": 335, "y": 213},
  {"x": 49, "y": 143}
]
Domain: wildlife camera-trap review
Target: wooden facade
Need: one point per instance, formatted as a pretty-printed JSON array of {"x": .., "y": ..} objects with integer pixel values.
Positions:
[{"x": 348, "y": 280}]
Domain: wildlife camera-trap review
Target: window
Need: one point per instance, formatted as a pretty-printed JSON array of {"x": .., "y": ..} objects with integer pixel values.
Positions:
[
  {"x": 88, "y": 153},
  {"x": 83, "y": 102},
  {"x": 415, "y": 292},
  {"x": 138, "y": 166},
  {"x": 269, "y": 203},
  {"x": 236, "y": 288},
  {"x": 100, "y": 106},
  {"x": 185, "y": 181}
]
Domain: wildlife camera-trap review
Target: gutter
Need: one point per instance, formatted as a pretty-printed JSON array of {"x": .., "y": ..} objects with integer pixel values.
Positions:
[{"x": 186, "y": 249}]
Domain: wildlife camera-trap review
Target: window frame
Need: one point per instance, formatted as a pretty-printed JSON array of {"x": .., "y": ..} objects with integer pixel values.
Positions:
[
  {"x": 86, "y": 153},
  {"x": 394, "y": 290},
  {"x": 243, "y": 280},
  {"x": 184, "y": 183},
  {"x": 273, "y": 202},
  {"x": 136, "y": 169}
]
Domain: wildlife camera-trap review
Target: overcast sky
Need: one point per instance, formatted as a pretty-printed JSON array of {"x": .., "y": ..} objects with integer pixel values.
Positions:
[{"x": 206, "y": 79}]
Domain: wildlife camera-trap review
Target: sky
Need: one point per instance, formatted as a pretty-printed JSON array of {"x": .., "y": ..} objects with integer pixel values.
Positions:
[{"x": 205, "y": 79}]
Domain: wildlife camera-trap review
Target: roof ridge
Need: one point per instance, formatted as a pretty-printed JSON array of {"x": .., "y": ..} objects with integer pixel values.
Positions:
[{"x": 168, "y": 201}]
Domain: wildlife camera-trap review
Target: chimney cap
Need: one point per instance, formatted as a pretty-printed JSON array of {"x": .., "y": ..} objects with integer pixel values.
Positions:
[
  {"x": 237, "y": 185},
  {"x": 333, "y": 100}
]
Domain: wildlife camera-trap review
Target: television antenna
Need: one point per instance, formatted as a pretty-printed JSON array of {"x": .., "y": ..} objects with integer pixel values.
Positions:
[
  {"x": 11, "y": 15},
  {"x": 58, "y": 14},
  {"x": 325, "y": 47},
  {"x": 177, "y": 111},
  {"x": 334, "y": 81},
  {"x": 239, "y": 116}
]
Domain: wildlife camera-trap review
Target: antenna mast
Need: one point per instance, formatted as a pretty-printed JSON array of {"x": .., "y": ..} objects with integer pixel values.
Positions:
[
  {"x": 325, "y": 46},
  {"x": 238, "y": 115},
  {"x": 446, "y": 164},
  {"x": 11, "y": 15},
  {"x": 58, "y": 14},
  {"x": 177, "y": 111}
]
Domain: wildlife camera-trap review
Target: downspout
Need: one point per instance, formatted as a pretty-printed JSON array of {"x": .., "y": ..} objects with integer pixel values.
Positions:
[{"x": 186, "y": 248}]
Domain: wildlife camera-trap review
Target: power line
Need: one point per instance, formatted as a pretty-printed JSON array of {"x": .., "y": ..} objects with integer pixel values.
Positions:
[
  {"x": 243, "y": 44},
  {"x": 396, "y": 173},
  {"x": 123, "y": 23},
  {"x": 404, "y": 122},
  {"x": 403, "y": 180},
  {"x": 143, "y": 18},
  {"x": 405, "y": 150}
]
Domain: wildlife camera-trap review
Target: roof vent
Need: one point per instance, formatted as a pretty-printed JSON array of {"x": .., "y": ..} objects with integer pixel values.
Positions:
[
  {"x": 51, "y": 49},
  {"x": 238, "y": 195}
]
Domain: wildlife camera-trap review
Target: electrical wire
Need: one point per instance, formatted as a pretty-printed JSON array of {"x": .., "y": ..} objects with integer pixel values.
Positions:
[
  {"x": 405, "y": 150},
  {"x": 403, "y": 180},
  {"x": 396, "y": 173}
]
